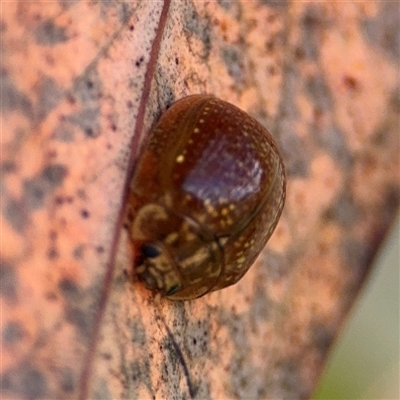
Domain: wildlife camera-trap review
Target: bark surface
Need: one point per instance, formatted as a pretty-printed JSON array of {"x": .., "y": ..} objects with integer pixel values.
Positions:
[{"x": 81, "y": 84}]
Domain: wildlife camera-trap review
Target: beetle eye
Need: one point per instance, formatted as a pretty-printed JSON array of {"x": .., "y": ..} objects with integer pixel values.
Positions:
[{"x": 150, "y": 251}]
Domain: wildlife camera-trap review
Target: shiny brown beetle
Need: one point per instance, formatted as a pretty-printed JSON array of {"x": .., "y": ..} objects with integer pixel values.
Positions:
[{"x": 207, "y": 193}]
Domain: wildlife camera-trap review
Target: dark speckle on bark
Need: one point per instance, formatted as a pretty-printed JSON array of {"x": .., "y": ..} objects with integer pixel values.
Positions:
[
  {"x": 9, "y": 282},
  {"x": 321, "y": 337},
  {"x": 64, "y": 132},
  {"x": 16, "y": 214},
  {"x": 48, "y": 33},
  {"x": 293, "y": 148},
  {"x": 312, "y": 23},
  {"x": 356, "y": 254},
  {"x": 80, "y": 319},
  {"x": 100, "y": 249},
  {"x": 319, "y": 92},
  {"x": 102, "y": 390},
  {"x": 25, "y": 381},
  {"x": 66, "y": 4},
  {"x": 52, "y": 253},
  {"x": 225, "y": 4},
  {"x": 37, "y": 188},
  {"x": 140, "y": 372},
  {"x": 88, "y": 91},
  {"x": 54, "y": 174},
  {"x": 49, "y": 96},
  {"x": 332, "y": 139},
  {"x": 138, "y": 334},
  {"x": 139, "y": 61},
  {"x": 13, "y": 98},
  {"x": 3, "y": 26},
  {"x": 383, "y": 30},
  {"x": 234, "y": 63},
  {"x": 277, "y": 4},
  {"x": 69, "y": 288},
  {"x": 197, "y": 340},
  {"x": 290, "y": 368},
  {"x": 78, "y": 252},
  {"x": 35, "y": 192},
  {"x": 8, "y": 166},
  {"x": 12, "y": 333},
  {"x": 296, "y": 159},
  {"x": 67, "y": 381},
  {"x": 344, "y": 211},
  {"x": 87, "y": 120},
  {"x": 194, "y": 26},
  {"x": 261, "y": 305},
  {"x": 85, "y": 214}
]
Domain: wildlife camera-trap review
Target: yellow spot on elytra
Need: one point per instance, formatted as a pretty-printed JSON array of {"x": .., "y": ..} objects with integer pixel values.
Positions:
[
  {"x": 171, "y": 238},
  {"x": 240, "y": 260},
  {"x": 180, "y": 158}
]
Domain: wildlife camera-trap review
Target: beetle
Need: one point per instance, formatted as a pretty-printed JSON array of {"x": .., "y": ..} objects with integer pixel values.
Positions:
[{"x": 207, "y": 192}]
